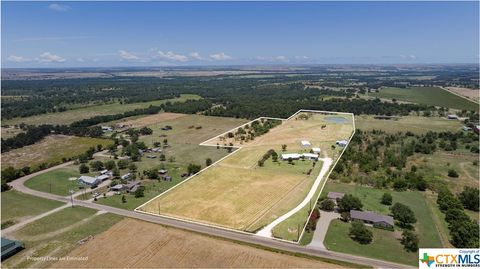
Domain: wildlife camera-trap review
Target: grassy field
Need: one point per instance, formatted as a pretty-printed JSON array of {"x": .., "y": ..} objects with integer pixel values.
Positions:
[
  {"x": 428, "y": 96},
  {"x": 426, "y": 227},
  {"x": 148, "y": 244},
  {"x": 238, "y": 194},
  {"x": 56, "y": 181},
  {"x": 51, "y": 149},
  {"x": 70, "y": 116},
  {"x": 17, "y": 206},
  {"x": 58, "y": 234},
  {"x": 414, "y": 124},
  {"x": 10, "y": 132}
]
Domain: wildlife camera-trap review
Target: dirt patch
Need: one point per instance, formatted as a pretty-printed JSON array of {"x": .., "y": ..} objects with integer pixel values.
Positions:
[
  {"x": 137, "y": 244},
  {"x": 152, "y": 119}
]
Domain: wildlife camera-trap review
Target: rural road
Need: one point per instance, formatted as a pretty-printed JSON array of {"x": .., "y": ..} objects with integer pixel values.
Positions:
[{"x": 231, "y": 235}]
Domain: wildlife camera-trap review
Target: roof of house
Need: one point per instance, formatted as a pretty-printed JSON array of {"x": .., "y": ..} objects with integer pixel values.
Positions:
[
  {"x": 335, "y": 195},
  {"x": 132, "y": 184},
  {"x": 10, "y": 246},
  {"x": 125, "y": 176},
  {"x": 316, "y": 149},
  {"x": 104, "y": 171},
  {"x": 88, "y": 179},
  {"x": 291, "y": 155},
  {"x": 117, "y": 187},
  {"x": 162, "y": 171},
  {"x": 310, "y": 155},
  {"x": 370, "y": 216},
  {"x": 103, "y": 177}
]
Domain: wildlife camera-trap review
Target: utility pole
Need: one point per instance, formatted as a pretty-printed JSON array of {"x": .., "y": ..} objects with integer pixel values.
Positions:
[{"x": 298, "y": 232}]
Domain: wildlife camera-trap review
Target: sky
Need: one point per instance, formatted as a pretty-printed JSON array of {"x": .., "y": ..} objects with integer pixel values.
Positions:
[{"x": 105, "y": 34}]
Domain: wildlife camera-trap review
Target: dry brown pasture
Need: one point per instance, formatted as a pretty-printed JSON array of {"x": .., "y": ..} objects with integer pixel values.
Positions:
[
  {"x": 473, "y": 94},
  {"x": 138, "y": 244}
]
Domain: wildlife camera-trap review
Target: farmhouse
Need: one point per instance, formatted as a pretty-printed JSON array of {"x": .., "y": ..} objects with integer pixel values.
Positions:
[
  {"x": 342, "y": 143},
  {"x": 90, "y": 181},
  {"x": 10, "y": 247},
  {"x": 310, "y": 156},
  {"x": 305, "y": 143},
  {"x": 126, "y": 176},
  {"x": 372, "y": 218},
  {"x": 293, "y": 156},
  {"x": 132, "y": 186},
  {"x": 118, "y": 187},
  {"x": 316, "y": 150}
]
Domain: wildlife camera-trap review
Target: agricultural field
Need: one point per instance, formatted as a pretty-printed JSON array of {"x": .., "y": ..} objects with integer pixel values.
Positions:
[
  {"x": 148, "y": 244},
  {"x": 414, "y": 124},
  {"x": 59, "y": 181},
  {"x": 427, "y": 95},
  {"x": 52, "y": 149},
  {"x": 473, "y": 94},
  {"x": 427, "y": 227},
  {"x": 238, "y": 193},
  {"x": 58, "y": 234},
  {"x": 182, "y": 149},
  {"x": 8, "y": 132},
  {"x": 81, "y": 113},
  {"x": 17, "y": 206}
]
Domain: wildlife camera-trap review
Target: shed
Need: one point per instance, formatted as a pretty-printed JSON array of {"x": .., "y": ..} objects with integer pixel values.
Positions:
[
  {"x": 310, "y": 156},
  {"x": 305, "y": 143},
  {"x": 118, "y": 187},
  {"x": 126, "y": 176},
  {"x": 132, "y": 186},
  {"x": 103, "y": 172},
  {"x": 316, "y": 150},
  {"x": 342, "y": 143},
  {"x": 162, "y": 171},
  {"x": 10, "y": 247}
]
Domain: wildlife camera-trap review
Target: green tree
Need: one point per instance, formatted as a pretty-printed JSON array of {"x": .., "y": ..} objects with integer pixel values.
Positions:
[
  {"x": 208, "y": 162},
  {"x": 284, "y": 147},
  {"x": 349, "y": 202},
  {"x": 403, "y": 214},
  {"x": 122, "y": 164},
  {"x": 110, "y": 164},
  {"x": 327, "y": 205},
  {"x": 115, "y": 172},
  {"x": 124, "y": 199},
  {"x": 193, "y": 168},
  {"x": 464, "y": 234},
  {"x": 360, "y": 233},
  {"x": 470, "y": 198},
  {"x": 386, "y": 199},
  {"x": 132, "y": 167},
  {"x": 96, "y": 165},
  {"x": 83, "y": 168},
  {"x": 140, "y": 192},
  {"x": 452, "y": 173},
  {"x": 409, "y": 241}
]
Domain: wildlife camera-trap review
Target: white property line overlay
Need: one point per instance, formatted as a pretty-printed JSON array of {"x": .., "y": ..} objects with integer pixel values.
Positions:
[{"x": 238, "y": 149}]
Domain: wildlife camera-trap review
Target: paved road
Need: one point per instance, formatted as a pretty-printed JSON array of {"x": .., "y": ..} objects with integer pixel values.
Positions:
[{"x": 253, "y": 239}]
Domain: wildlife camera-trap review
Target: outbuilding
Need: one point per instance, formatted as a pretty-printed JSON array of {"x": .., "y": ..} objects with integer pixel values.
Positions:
[
  {"x": 103, "y": 177},
  {"x": 126, "y": 176},
  {"x": 118, "y": 187},
  {"x": 316, "y": 150},
  {"x": 310, "y": 156},
  {"x": 305, "y": 143},
  {"x": 10, "y": 247},
  {"x": 342, "y": 143},
  {"x": 293, "y": 156}
]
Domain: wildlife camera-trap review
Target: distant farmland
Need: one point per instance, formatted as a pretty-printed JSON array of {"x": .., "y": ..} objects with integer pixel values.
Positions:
[{"x": 428, "y": 96}]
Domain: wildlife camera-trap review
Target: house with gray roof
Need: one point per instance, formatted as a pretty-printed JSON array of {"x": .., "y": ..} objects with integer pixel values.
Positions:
[
  {"x": 90, "y": 181},
  {"x": 335, "y": 196},
  {"x": 370, "y": 217},
  {"x": 10, "y": 247}
]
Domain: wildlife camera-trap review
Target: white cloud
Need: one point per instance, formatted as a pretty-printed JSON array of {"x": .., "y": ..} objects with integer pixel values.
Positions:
[
  {"x": 409, "y": 57},
  {"x": 59, "y": 7},
  {"x": 301, "y": 58},
  {"x": 127, "y": 55},
  {"x": 47, "y": 57},
  {"x": 80, "y": 60},
  {"x": 171, "y": 56},
  {"x": 195, "y": 56},
  {"x": 281, "y": 58},
  {"x": 220, "y": 56},
  {"x": 17, "y": 59}
]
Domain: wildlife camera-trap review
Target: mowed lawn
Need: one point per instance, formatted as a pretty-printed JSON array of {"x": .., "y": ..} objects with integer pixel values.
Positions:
[
  {"x": 51, "y": 149},
  {"x": 414, "y": 124},
  {"x": 70, "y": 116},
  {"x": 386, "y": 244},
  {"x": 56, "y": 181},
  {"x": 17, "y": 206},
  {"x": 238, "y": 194},
  {"x": 428, "y": 96},
  {"x": 57, "y": 234}
]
